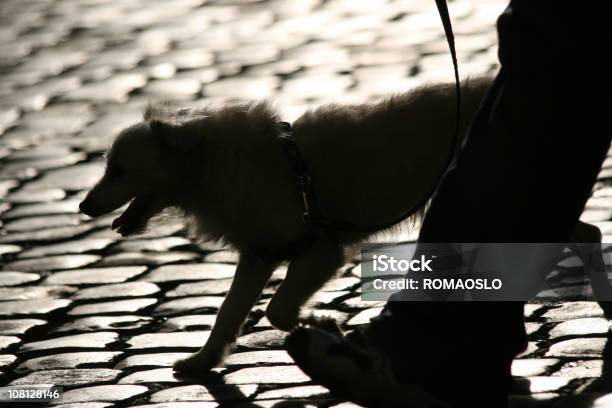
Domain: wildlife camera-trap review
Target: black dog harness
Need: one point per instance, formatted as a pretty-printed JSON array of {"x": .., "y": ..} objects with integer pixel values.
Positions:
[{"x": 316, "y": 222}]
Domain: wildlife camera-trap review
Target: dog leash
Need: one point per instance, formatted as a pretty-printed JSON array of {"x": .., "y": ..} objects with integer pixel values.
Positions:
[{"x": 312, "y": 214}]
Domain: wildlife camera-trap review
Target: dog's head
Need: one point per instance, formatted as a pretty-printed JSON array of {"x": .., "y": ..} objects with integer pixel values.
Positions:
[{"x": 138, "y": 168}]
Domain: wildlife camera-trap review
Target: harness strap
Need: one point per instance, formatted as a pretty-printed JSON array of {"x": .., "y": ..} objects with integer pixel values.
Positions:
[{"x": 300, "y": 170}]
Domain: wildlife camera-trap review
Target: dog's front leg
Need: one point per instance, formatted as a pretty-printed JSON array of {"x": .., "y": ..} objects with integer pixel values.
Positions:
[
  {"x": 250, "y": 278},
  {"x": 306, "y": 274}
]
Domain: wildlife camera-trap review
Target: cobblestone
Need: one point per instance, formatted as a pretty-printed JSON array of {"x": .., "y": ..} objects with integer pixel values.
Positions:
[
  {"x": 588, "y": 347},
  {"x": 51, "y": 263},
  {"x": 68, "y": 360},
  {"x": 535, "y": 385},
  {"x": 583, "y": 369},
  {"x": 190, "y": 272},
  {"x": 189, "y": 322},
  {"x": 531, "y": 367},
  {"x": 150, "y": 360},
  {"x": 38, "y": 307},
  {"x": 202, "y": 393},
  {"x": 19, "y": 327},
  {"x": 95, "y": 276},
  {"x": 156, "y": 376},
  {"x": 113, "y": 307},
  {"x": 101, "y": 323},
  {"x": 35, "y": 292},
  {"x": 105, "y": 316},
  {"x": 309, "y": 391},
  {"x": 267, "y": 375},
  {"x": 156, "y": 341},
  {"x": 580, "y": 327},
  {"x": 111, "y": 393},
  {"x": 263, "y": 339},
  {"x": 195, "y": 304},
  {"x": 69, "y": 378},
  {"x": 98, "y": 340},
  {"x": 17, "y": 278},
  {"x": 128, "y": 289}
]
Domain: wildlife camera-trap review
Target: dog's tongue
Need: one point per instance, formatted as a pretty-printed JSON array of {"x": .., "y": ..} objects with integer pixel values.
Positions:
[{"x": 134, "y": 217}]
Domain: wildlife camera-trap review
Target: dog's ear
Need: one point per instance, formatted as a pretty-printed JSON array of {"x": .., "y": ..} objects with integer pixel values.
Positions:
[{"x": 183, "y": 137}]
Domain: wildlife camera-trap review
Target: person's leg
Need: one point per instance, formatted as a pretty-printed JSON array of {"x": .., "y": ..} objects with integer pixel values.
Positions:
[{"x": 524, "y": 175}]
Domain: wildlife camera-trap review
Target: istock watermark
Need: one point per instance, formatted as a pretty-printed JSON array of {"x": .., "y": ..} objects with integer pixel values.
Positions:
[
  {"x": 384, "y": 263},
  {"x": 437, "y": 284},
  {"x": 486, "y": 271}
]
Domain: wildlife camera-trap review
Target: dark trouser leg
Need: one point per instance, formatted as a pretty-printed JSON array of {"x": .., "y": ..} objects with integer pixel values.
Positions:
[{"x": 524, "y": 175}]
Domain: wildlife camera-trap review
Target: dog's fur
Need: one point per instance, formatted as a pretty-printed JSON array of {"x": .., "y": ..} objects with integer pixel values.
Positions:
[{"x": 226, "y": 169}]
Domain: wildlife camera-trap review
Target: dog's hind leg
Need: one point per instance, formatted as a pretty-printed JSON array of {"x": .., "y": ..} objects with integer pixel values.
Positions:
[
  {"x": 306, "y": 274},
  {"x": 250, "y": 278},
  {"x": 586, "y": 243}
]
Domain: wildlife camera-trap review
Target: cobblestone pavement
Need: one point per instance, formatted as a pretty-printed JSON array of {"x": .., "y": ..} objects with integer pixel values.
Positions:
[{"x": 106, "y": 317}]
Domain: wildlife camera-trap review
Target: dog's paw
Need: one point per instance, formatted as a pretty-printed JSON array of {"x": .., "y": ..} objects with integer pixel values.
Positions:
[
  {"x": 325, "y": 323},
  {"x": 198, "y": 364}
]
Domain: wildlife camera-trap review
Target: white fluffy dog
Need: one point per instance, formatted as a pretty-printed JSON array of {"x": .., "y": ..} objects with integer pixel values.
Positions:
[{"x": 227, "y": 169}]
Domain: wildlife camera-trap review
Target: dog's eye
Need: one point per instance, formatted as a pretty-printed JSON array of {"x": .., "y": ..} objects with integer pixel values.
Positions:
[{"x": 115, "y": 171}]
